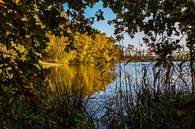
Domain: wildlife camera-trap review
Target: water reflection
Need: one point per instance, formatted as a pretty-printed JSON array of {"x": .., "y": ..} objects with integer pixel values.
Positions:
[
  {"x": 139, "y": 90},
  {"x": 85, "y": 79},
  {"x": 136, "y": 85}
]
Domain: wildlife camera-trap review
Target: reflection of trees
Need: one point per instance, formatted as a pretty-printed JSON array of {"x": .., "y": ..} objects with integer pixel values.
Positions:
[{"x": 85, "y": 79}]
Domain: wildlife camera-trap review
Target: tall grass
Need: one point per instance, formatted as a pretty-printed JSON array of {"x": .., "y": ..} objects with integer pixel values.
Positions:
[
  {"x": 42, "y": 108},
  {"x": 146, "y": 97},
  {"x": 67, "y": 104},
  {"x": 153, "y": 98}
]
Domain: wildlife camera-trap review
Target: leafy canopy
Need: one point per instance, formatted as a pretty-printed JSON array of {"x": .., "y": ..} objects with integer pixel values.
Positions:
[{"x": 164, "y": 22}]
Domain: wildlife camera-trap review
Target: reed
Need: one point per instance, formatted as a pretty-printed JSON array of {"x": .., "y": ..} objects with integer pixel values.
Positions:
[{"x": 154, "y": 98}]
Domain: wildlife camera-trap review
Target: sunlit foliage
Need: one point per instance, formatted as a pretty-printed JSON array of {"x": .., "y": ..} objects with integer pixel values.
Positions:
[
  {"x": 55, "y": 50},
  {"x": 25, "y": 26},
  {"x": 92, "y": 49},
  {"x": 23, "y": 37},
  {"x": 85, "y": 48}
]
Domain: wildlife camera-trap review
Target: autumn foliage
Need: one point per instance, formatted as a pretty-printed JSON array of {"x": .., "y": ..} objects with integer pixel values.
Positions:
[{"x": 85, "y": 49}]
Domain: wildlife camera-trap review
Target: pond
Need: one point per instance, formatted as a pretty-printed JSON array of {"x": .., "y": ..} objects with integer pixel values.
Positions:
[
  {"x": 86, "y": 79},
  {"x": 106, "y": 84}
]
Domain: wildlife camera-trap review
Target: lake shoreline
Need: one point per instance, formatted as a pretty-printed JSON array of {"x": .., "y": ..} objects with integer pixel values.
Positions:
[{"x": 50, "y": 64}]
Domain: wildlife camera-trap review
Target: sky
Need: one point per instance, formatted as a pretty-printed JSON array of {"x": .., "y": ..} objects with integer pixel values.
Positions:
[{"x": 104, "y": 27}]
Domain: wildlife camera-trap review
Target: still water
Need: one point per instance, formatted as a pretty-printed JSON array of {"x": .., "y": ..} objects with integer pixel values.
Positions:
[
  {"x": 86, "y": 79},
  {"x": 131, "y": 78},
  {"x": 102, "y": 81},
  {"x": 100, "y": 84}
]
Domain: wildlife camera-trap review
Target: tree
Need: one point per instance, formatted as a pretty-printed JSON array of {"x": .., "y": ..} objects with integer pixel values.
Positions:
[
  {"x": 55, "y": 50},
  {"x": 24, "y": 25},
  {"x": 160, "y": 20},
  {"x": 130, "y": 50},
  {"x": 85, "y": 48},
  {"x": 164, "y": 23}
]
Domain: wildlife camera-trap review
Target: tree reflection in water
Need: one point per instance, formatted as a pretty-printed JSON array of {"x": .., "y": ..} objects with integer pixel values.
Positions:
[{"x": 82, "y": 79}]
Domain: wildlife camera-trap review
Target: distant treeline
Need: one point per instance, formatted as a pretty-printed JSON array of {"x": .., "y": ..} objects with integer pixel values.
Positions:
[
  {"x": 84, "y": 48},
  {"x": 154, "y": 58}
]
